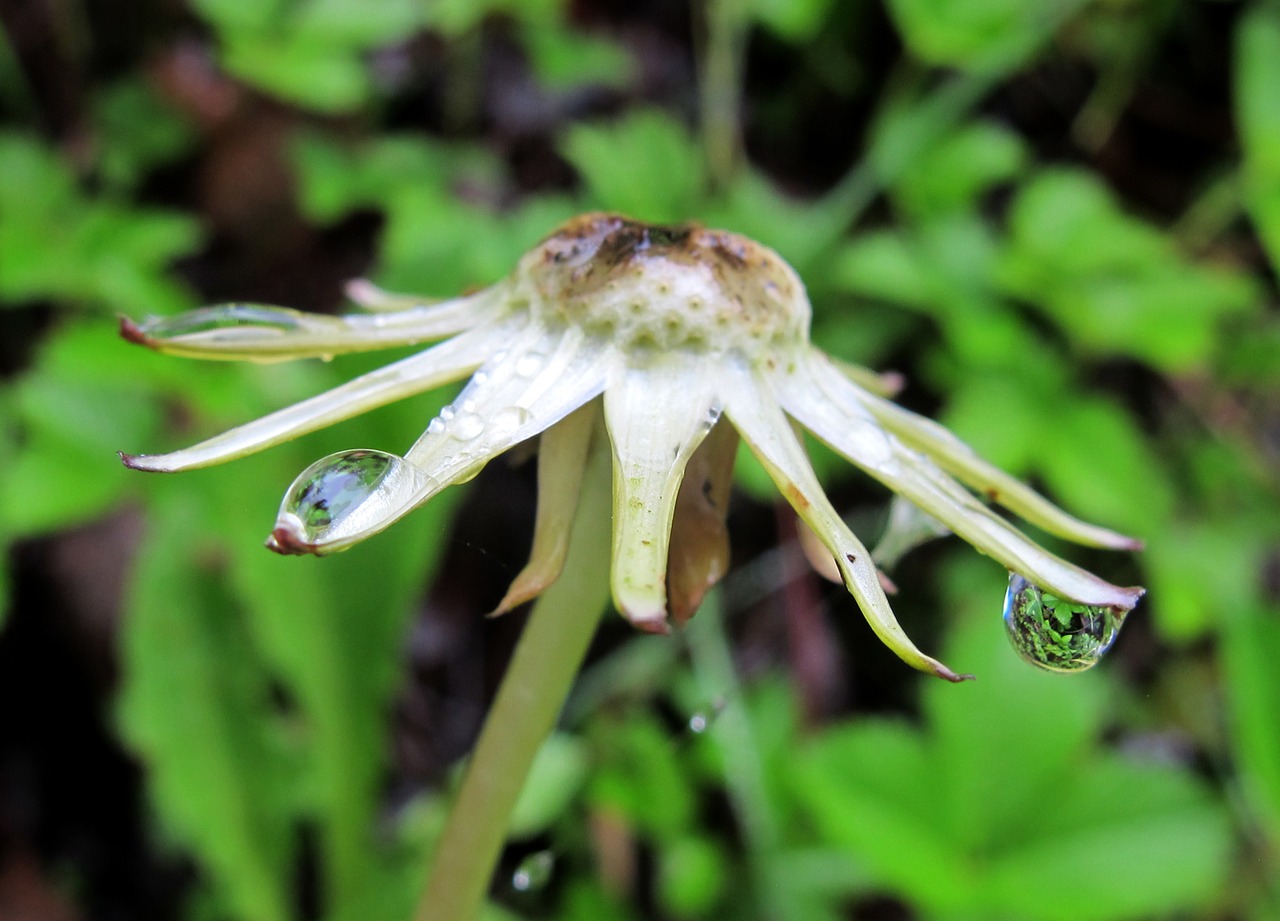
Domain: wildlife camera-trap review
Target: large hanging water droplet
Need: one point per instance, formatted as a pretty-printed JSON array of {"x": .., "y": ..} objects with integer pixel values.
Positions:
[
  {"x": 343, "y": 498},
  {"x": 1055, "y": 633},
  {"x": 534, "y": 872}
]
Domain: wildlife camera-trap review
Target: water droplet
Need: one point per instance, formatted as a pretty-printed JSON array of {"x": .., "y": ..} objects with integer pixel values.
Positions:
[
  {"x": 447, "y": 413},
  {"x": 529, "y": 364},
  {"x": 468, "y": 406},
  {"x": 506, "y": 421},
  {"x": 435, "y": 426},
  {"x": 534, "y": 872},
  {"x": 699, "y": 722},
  {"x": 479, "y": 377},
  {"x": 226, "y": 316},
  {"x": 466, "y": 426},
  {"x": 343, "y": 497},
  {"x": 1055, "y": 633}
]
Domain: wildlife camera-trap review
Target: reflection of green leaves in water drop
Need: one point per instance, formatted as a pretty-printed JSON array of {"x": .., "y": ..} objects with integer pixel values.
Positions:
[
  {"x": 1055, "y": 633},
  {"x": 331, "y": 492},
  {"x": 344, "y": 498}
]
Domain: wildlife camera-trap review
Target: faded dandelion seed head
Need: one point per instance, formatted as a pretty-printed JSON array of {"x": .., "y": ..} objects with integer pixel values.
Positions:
[
  {"x": 664, "y": 346},
  {"x": 679, "y": 287}
]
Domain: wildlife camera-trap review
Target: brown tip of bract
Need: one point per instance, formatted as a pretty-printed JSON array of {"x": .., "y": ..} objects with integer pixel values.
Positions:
[
  {"x": 943, "y": 672},
  {"x": 659, "y": 626},
  {"x": 892, "y": 382},
  {"x": 138, "y": 462},
  {"x": 132, "y": 332},
  {"x": 285, "y": 542}
]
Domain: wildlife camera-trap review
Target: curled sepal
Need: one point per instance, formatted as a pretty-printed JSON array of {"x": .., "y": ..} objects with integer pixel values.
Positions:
[
  {"x": 344, "y": 498},
  {"x": 768, "y": 433},
  {"x": 699, "y": 554},
  {"x": 562, "y": 461}
]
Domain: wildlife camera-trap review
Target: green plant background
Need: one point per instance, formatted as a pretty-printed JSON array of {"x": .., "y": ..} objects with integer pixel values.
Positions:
[{"x": 1061, "y": 221}]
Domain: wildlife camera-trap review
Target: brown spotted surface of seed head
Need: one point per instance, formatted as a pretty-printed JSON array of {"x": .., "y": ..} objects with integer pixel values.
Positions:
[{"x": 680, "y": 286}]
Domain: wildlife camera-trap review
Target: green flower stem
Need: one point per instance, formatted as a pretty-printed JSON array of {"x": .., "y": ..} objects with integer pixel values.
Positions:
[
  {"x": 720, "y": 88},
  {"x": 734, "y": 734},
  {"x": 537, "y": 681}
]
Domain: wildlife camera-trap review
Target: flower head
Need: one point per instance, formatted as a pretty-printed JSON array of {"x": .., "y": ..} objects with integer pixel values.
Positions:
[{"x": 683, "y": 339}]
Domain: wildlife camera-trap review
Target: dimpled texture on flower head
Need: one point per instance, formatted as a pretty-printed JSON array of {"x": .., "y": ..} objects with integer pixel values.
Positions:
[{"x": 681, "y": 340}]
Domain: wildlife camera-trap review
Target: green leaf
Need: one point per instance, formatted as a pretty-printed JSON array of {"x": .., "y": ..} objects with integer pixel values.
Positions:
[
  {"x": 884, "y": 264},
  {"x": 554, "y": 780},
  {"x": 995, "y": 35},
  {"x": 1000, "y": 805},
  {"x": 644, "y": 165},
  {"x": 313, "y": 75},
  {"x": 356, "y": 24},
  {"x": 563, "y": 59},
  {"x": 57, "y": 243},
  {"x": 196, "y": 707},
  {"x": 639, "y": 775},
  {"x": 1113, "y": 283},
  {"x": 236, "y": 17},
  {"x": 692, "y": 876},
  {"x": 137, "y": 132},
  {"x": 952, "y": 173},
  {"x": 1257, "y": 74},
  {"x": 795, "y": 20},
  {"x": 71, "y": 412},
  {"x": 1250, "y": 639}
]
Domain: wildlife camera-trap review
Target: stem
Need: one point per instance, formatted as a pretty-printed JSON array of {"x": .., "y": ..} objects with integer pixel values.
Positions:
[
  {"x": 744, "y": 772},
  {"x": 537, "y": 681},
  {"x": 720, "y": 89}
]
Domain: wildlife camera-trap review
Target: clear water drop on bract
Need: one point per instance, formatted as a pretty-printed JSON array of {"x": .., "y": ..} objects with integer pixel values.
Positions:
[
  {"x": 529, "y": 364},
  {"x": 534, "y": 872},
  {"x": 227, "y": 316},
  {"x": 1055, "y": 633},
  {"x": 330, "y": 500},
  {"x": 466, "y": 426}
]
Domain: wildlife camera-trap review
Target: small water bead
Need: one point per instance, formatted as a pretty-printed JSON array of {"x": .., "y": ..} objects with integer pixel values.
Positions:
[
  {"x": 1055, "y": 633},
  {"x": 448, "y": 413},
  {"x": 506, "y": 421},
  {"x": 530, "y": 363},
  {"x": 466, "y": 426},
  {"x": 345, "y": 495},
  {"x": 534, "y": 872},
  {"x": 435, "y": 426}
]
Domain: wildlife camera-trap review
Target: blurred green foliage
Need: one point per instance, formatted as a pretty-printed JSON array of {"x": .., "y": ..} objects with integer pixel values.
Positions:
[{"x": 1125, "y": 360}]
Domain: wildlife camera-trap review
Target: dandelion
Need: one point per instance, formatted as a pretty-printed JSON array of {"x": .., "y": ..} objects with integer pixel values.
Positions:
[{"x": 683, "y": 339}]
